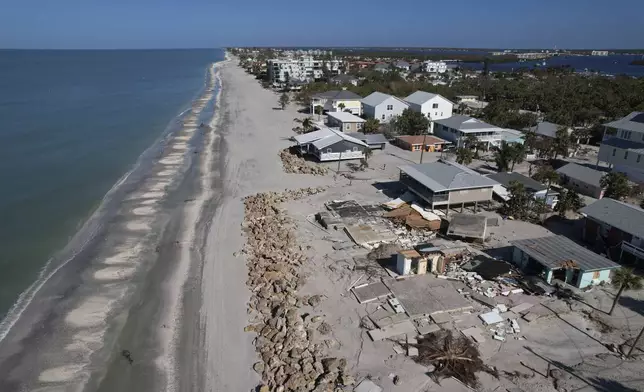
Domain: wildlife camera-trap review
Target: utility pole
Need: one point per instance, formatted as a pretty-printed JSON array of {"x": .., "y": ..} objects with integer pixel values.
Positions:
[
  {"x": 422, "y": 150},
  {"x": 637, "y": 339}
]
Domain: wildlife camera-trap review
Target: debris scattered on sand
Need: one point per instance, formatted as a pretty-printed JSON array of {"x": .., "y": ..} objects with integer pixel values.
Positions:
[
  {"x": 291, "y": 360},
  {"x": 294, "y": 163}
]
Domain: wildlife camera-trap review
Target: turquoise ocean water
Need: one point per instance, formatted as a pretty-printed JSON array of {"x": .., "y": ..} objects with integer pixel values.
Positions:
[{"x": 72, "y": 123}]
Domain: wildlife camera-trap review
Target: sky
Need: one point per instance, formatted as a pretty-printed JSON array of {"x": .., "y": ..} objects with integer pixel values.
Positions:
[{"x": 128, "y": 24}]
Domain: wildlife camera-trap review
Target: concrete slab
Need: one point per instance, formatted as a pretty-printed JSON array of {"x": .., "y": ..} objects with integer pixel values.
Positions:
[
  {"x": 367, "y": 385},
  {"x": 426, "y": 295},
  {"x": 441, "y": 318},
  {"x": 530, "y": 317},
  {"x": 468, "y": 225},
  {"x": 424, "y": 326},
  {"x": 366, "y": 236},
  {"x": 521, "y": 308},
  {"x": 412, "y": 351},
  {"x": 391, "y": 319},
  {"x": 474, "y": 333},
  {"x": 392, "y": 330},
  {"x": 487, "y": 301},
  {"x": 370, "y": 292},
  {"x": 491, "y": 318}
]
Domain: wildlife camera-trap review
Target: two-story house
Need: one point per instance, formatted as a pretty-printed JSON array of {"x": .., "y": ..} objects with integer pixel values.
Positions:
[
  {"x": 337, "y": 101},
  {"x": 616, "y": 228},
  {"x": 432, "y": 106},
  {"x": 456, "y": 128},
  {"x": 445, "y": 184},
  {"x": 383, "y": 107},
  {"x": 624, "y": 152}
]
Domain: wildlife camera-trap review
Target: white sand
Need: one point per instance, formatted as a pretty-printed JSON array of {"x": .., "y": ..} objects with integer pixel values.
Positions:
[
  {"x": 125, "y": 254},
  {"x": 138, "y": 225},
  {"x": 171, "y": 159},
  {"x": 180, "y": 146},
  {"x": 61, "y": 373},
  {"x": 149, "y": 202},
  {"x": 151, "y": 195},
  {"x": 144, "y": 211},
  {"x": 91, "y": 313},
  {"x": 159, "y": 186},
  {"x": 183, "y": 137},
  {"x": 114, "y": 273}
]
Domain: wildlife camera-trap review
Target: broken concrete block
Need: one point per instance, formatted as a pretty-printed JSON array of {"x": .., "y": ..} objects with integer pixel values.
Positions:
[
  {"x": 441, "y": 318},
  {"x": 398, "y": 349},
  {"x": 502, "y": 308},
  {"x": 499, "y": 338},
  {"x": 530, "y": 317},
  {"x": 474, "y": 333},
  {"x": 521, "y": 307},
  {"x": 412, "y": 351},
  {"x": 367, "y": 386},
  {"x": 516, "y": 291}
]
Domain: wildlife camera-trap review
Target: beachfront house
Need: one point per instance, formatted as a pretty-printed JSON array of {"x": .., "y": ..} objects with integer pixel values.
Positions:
[
  {"x": 344, "y": 79},
  {"x": 337, "y": 101},
  {"x": 445, "y": 184},
  {"x": 383, "y": 106},
  {"x": 557, "y": 258},
  {"x": 375, "y": 141},
  {"x": 415, "y": 142},
  {"x": 402, "y": 65},
  {"x": 345, "y": 121},
  {"x": 624, "y": 151},
  {"x": 434, "y": 66},
  {"x": 456, "y": 128},
  {"x": 534, "y": 188},
  {"x": 432, "y": 106},
  {"x": 582, "y": 179},
  {"x": 617, "y": 227},
  {"x": 330, "y": 145}
]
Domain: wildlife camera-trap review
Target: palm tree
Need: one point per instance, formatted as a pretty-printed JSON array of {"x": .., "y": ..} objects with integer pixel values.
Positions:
[
  {"x": 372, "y": 125},
  {"x": 284, "y": 100},
  {"x": 368, "y": 153},
  {"x": 464, "y": 156},
  {"x": 616, "y": 185},
  {"x": 342, "y": 106},
  {"x": 517, "y": 154},
  {"x": 569, "y": 200},
  {"x": 624, "y": 279},
  {"x": 548, "y": 175},
  {"x": 503, "y": 157},
  {"x": 318, "y": 110},
  {"x": 470, "y": 141},
  {"x": 307, "y": 124}
]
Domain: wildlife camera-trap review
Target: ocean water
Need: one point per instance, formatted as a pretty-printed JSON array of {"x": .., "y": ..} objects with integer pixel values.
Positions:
[{"x": 72, "y": 123}]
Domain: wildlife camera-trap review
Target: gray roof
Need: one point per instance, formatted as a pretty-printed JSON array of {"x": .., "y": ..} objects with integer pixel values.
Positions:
[
  {"x": 401, "y": 63},
  {"x": 346, "y": 117},
  {"x": 545, "y": 128},
  {"x": 632, "y": 122},
  {"x": 625, "y": 217},
  {"x": 344, "y": 78},
  {"x": 336, "y": 137},
  {"x": 624, "y": 144},
  {"x": 337, "y": 94},
  {"x": 443, "y": 176},
  {"x": 376, "y": 98},
  {"x": 420, "y": 97},
  {"x": 581, "y": 173},
  {"x": 464, "y": 123},
  {"x": 369, "y": 138},
  {"x": 530, "y": 185},
  {"x": 553, "y": 251},
  {"x": 381, "y": 66}
]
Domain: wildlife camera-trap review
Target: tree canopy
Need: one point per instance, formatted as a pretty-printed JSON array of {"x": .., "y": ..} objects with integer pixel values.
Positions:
[
  {"x": 410, "y": 123},
  {"x": 616, "y": 185}
]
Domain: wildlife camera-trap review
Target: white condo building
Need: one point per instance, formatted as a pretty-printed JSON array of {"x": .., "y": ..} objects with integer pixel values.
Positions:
[
  {"x": 305, "y": 68},
  {"x": 624, "y": 151},
  {"x": 435, "y": 66}
]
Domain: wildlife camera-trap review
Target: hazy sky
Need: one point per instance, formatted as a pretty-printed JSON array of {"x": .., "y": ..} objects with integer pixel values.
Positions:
[{"x": 214, "y": 23}]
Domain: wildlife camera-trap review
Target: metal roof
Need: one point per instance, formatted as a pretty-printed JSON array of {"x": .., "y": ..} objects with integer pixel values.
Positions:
[
  {"x": 547, "y": 129},
  {"x": 420, "y": 97},
  {"x": 313, "y": 136},
  {"x": 466, "y": 124},
  {"x": 337, "y": 94},
  {"x": 554, "y": 251},
  {"x": 582, "y": 173},
  {"x": 633, "y": 122},
  {"x": 624, "y": 144},
  {"x": 376, "y": 98},
  {"x": 369, "y": 138},
  {"x": 625, "y": 217},
  {"x": 331, "y": 138},
  {"x": 346, "y": 117},
  {"x": 504, "y": 178},
  {"x": 443, "y": 176}
]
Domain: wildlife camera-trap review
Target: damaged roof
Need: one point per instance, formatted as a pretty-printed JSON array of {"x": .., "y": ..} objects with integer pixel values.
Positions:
[{"x": 557, "y": 251}]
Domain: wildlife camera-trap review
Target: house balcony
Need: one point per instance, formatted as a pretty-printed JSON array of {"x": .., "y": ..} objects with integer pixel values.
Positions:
[{"x": 632, "y": 249}]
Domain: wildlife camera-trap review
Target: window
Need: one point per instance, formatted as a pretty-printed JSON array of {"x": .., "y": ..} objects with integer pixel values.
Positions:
[
  {"x": 638, "y": 158},
  {"x": 614, "y": 150},
  {"x": 390, "y": 107},
  {"x": 383, "y": 117},
  {"x": 441, "y": 114},
  {"x": 625, "y": 154},
  {"x": 355, "y": 149},
  {"x": 328, "y": 151},
  {"x": 595, "y": 274},
  {"x": 347, "y": 127},
  {"x": 434, "y": 106}
]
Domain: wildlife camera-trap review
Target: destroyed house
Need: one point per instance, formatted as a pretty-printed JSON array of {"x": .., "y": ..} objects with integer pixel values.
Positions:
[
  {"x": 559, "y": 258},
  {"x": 444, "y": 183}
]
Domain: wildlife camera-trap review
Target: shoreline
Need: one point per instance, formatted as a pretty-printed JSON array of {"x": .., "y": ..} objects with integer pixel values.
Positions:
[{"x": 79, "y": 333}]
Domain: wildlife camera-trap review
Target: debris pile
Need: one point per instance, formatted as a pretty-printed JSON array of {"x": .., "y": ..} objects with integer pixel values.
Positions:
[
  {"x": 291, "y": 359},
  {"x": 293, "y": 163},
  {"x": 451, "y": 356}
]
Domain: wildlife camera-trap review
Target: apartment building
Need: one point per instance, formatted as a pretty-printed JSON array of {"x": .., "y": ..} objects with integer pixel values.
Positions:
[
  {"x": 305, "y": 68},
  {"x": 624, "y": 151},
  {"x": 435, "y": 66}
]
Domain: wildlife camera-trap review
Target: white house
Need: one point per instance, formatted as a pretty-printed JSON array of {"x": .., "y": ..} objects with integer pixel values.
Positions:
[
  {"x": 456, "y": 128},
  {"x": 625, "y": 150},
  {"x": 435, "y": 66},
  {"x": 383, "y": 106},
  {"x": 432, "y": 106}
]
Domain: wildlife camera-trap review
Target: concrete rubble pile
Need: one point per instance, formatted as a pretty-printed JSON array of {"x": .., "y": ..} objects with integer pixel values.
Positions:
[
  {"x": 292, "y": 359},
  {"x": 489, "y": 288},
  {"x": 293, "y": 163}
]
